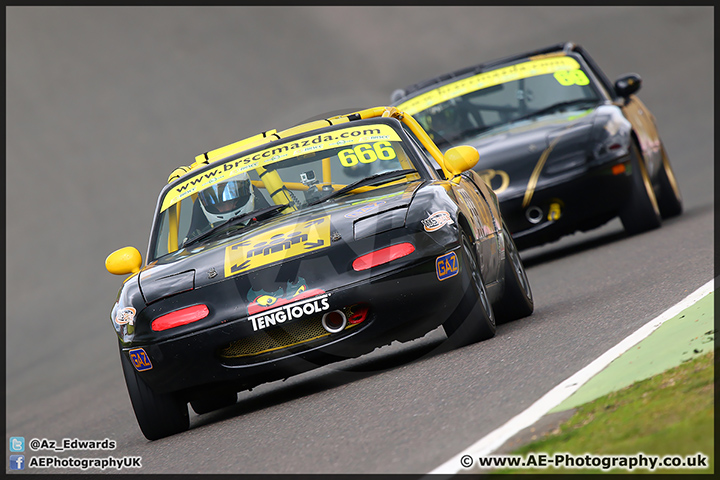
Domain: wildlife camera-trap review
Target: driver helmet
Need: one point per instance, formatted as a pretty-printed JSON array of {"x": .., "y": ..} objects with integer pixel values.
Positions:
[{"x": 227, "y": 199}]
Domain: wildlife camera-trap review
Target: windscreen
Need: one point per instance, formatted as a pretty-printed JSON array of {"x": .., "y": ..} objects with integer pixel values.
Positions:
[
  {"x": 297, "y": 173},
  {"x": 456, "y": 112}
]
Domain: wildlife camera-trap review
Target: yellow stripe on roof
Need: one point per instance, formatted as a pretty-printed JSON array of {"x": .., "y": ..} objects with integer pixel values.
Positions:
[
  {"x": 488, "y": 79},
  {"x": 276, "y": 152}
]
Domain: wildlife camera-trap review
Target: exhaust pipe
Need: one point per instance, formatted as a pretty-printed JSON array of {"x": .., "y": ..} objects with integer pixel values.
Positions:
[
  {"x": 334, "y": 321},
  {"x": 534, "y": 214}
]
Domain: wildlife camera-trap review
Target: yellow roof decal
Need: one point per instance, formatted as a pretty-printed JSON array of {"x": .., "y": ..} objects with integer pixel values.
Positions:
[
  {"x": 276, "y": 152},
  {"x": 488, "y": 79}
]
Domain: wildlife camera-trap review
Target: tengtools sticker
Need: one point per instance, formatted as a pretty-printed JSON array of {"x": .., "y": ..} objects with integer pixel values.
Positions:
[
  {"x": 260, "y": 300},
  {"x": 290, "y": 312}
]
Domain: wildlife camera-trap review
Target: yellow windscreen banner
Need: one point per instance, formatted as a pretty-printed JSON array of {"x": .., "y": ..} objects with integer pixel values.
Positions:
[
  {"x": 275, "y": 153},
  {"x": 487, "y": 79},
  {"x": 277, "y": 245}
]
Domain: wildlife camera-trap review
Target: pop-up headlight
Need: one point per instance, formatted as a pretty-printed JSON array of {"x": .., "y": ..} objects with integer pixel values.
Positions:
[{"x": 154, "y": 289}]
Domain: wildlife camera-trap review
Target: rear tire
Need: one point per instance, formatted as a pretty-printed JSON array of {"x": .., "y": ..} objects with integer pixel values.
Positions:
[
  {"x": 641, "y": 213},
  {"x": 480, "y": 322},
  {"x": 670, "y": 201},
  {"x": 159, "y": 415},
  {"x": 517, "y": 300}
]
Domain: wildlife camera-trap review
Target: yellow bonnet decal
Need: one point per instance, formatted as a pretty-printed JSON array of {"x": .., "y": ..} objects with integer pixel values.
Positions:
[
  {"x": 277, "y": 245},
  {"x": 275, "y": 153},
  {"x": 488, "y": 79}
]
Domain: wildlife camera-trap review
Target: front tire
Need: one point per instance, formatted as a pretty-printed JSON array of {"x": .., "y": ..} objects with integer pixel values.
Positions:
[
  {"x": 158, "y": 415},
  {"x": 213, "y": 402},
  {"x": 641, "y": 213},
  {"x": 517, "y": 300},
  {"x": 670, "y": 201},
  {"x": 479, "y": 324}
]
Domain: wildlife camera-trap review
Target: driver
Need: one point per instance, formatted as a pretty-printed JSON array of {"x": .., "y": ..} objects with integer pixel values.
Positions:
[
  {"x": 445, "y": 122},
  {"x": 226, "y": 199}
]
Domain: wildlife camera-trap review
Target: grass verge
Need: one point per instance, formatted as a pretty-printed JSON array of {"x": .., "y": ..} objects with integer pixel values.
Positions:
[{"x": 669, "y": 414}]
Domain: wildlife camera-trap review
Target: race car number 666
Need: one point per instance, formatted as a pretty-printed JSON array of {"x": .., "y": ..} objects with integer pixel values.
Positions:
[{"x": 365, "y": 153}]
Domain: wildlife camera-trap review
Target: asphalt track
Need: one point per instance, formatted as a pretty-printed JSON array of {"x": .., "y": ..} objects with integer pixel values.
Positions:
[{"x": 104, "y": 102}]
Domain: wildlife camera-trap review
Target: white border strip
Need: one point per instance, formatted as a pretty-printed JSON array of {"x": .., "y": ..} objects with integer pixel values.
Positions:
[{"x": 554, "y": 397}]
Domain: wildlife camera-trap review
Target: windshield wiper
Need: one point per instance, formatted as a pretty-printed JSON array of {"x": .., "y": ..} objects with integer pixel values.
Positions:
[
  {"x": 255, "y": 215},
  {"x": 371, "y": 180},
  {"x": 556, "y": 106}
]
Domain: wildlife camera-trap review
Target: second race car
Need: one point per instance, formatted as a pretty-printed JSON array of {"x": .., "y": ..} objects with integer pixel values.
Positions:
[{"x": 564, "y": 148}]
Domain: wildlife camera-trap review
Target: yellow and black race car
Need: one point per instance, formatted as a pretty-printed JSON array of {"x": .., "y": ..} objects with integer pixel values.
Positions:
[
  {"x": 291, "y": 250},
  {"x": 562, "y": 147}
]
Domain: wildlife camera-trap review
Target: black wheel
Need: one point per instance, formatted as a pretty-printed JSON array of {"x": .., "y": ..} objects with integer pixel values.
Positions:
[
  {"x": 479, "y": 324},
  {"x": 159, "y": 415},
  {"x": 213, "y": 402},
  {"x": 641, "y": 213},
  {"x": 517, "y": 300},
  {"x": 670, "y": 200}
]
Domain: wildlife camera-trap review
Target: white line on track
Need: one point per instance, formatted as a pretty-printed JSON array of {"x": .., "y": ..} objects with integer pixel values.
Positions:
[{"x": 490, "y": 442}]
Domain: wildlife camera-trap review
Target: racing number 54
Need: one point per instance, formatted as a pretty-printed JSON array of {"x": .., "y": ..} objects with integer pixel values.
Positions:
[{"x": 366, "y": 153}]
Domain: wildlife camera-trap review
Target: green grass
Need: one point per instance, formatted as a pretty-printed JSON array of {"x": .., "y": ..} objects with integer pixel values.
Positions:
[{"x": 669, "y": 414}]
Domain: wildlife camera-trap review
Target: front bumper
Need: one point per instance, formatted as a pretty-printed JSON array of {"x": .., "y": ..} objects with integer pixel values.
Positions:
[
  {"x": 582, "y": 201},
  {"x": 403, "y": 305}
]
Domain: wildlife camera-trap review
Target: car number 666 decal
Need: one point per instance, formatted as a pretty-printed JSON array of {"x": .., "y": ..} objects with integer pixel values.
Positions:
[{"x": 366, "y": 153}]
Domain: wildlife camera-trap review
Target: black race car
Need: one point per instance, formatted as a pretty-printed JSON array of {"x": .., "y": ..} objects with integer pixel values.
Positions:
[
  {"x": 291, "y": 250},
  {"x": 562, "y": 147}
]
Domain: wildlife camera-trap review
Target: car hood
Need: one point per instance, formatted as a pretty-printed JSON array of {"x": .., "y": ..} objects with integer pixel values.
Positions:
[
  {"x": 510, "y": 154},
  {"x": 273, "y": 241}
]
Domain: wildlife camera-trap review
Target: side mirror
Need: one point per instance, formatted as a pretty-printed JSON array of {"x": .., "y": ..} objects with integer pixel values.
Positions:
[
  {"x": 628, "y": 84},
  {"x": 123, "y": 261},
  {"x": 460, "y": 159}
]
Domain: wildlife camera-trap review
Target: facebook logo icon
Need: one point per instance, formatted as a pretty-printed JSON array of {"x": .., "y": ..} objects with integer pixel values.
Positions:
[
  {"x": 17, "y": 462},
  {"x": 17, "y": 444}
]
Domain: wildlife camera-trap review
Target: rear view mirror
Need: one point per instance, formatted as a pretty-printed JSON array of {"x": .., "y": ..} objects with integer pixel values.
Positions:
[
  {"x": 460, "y": 159},
  {"x": 628, "y": 84},
  {"x": 123, "y": 261}
]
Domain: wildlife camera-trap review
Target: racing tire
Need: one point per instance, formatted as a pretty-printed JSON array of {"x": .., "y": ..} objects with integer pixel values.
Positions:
[
  {"x": 670, "y": 199},
  {"x": 213, "y": 402},
  {"x": 158, "y": 415},
  {"x": 517, "y": 300},
  {"x": 479, "y": 324},
  {"x": 641, "y": 212}
]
